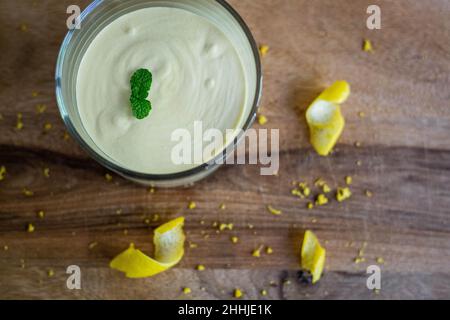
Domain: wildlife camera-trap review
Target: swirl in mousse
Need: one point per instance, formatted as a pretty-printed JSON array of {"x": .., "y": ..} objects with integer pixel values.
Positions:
[{"x": 197, "y": 76}]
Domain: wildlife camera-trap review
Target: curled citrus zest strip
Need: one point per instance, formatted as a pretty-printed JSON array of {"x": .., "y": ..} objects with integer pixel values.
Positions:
[
  {"x": 169, "y": 250},
  {"x": 325, "y": 119},
  {"x": 312, "y": 256}
]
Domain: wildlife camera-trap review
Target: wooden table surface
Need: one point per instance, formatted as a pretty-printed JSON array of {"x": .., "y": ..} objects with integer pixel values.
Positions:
[{"x": 402, "y": 87}]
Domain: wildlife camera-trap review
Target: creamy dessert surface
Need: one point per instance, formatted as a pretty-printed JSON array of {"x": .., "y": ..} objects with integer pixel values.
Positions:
[{"x": 197, "y": 76}]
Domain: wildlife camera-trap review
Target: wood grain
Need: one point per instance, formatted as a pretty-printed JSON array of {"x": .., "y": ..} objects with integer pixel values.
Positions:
[{"x": 403, "y": 88}]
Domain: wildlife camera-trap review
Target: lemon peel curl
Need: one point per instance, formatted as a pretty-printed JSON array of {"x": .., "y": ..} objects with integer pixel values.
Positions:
[{"x": 169, "y": 250}]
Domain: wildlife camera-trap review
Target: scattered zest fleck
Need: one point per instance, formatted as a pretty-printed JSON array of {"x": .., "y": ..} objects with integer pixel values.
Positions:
[
  {"x": 27, "y": 193},
  {"x": 41, "y": 214},
  {"x": 257, "y": 252},
  {"x": 30, "y": 228},
  {"x": 50, "y": 273},
  {"x": 369, "y": 194},
  {"x": 200, "y": 267},
  {"x": 192, "y": 205},
  {"x": 262, "y": 120},
  {"x": 343, "y": 194},
  {"x": 321, "y": 200},
  {"x": 234, "y": 240},
  {"x": 47, "y": 127},
  {"x": 274, "y": 211},
  {"x": 2, "y": 172},
  {"x": 237, "y": 293},
  {"x": 367, "y": 46},
  {"x": 187, "y": 290},
  {"x": 46, "y": 172},
  {"x": 40, "y": 108},
  {"x": 264, "y": 50},
  {"x": 19, "y": 123},
  {"x": 92, "y": 245},
  {"x": 348, "y": 180},
  {"x": 108, "y": 177}
]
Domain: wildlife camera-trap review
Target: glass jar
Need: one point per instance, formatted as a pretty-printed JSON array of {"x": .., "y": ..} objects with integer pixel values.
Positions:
[{"x": 97, "y": 16}]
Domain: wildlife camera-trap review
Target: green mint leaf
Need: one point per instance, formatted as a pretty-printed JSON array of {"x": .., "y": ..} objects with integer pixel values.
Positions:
[
  {"x": 141, "y": 82},
  {"x": 141, "y": 108}
]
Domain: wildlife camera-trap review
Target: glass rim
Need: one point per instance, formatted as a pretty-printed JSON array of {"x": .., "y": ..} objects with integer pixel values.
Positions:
[{"x": 136, "y": 175}]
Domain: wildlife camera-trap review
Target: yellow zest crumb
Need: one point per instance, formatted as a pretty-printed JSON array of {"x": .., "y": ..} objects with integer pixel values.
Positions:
[
  {"x": 359, "y": 260},
  {"x": 225, "y": 226},
  {"x": 367, "y": 46},
  {"x": 269, "y": 250},
  {"x": 108, "y": 177},
  {"x": 262, "y": 120},
  {"x": 187, "y": 290},
  {"x": 321, "y": 200},
  {"x": 41, "y": 214},
  {"x": 92, "y": 245},
  {"x": 5, "y": 247},
  {"x": 2, "y": 172},
  {"x": 319, "y": 182},
  {"x": 156, "y": 217},
  {"x": 19, "y": 123},
  {"x": 306, "y": 191},
  {"x": 264, "y": 50},
  {"x": 257, "y": 252},
  {"x": 237, "y": 293},
  {"x": 222, "y": 206},
  {"x": 66, "y": 136},
  {"x": 310, "y": 206},
  {"x": 47, "y": 127},
  {"x": 46, "y": 172},
  {"x": 380, "y": 260},
  {"x": 40, "y": 108},
  {"x": 50, "y": 273},
  {"x": 348, "y": 180},
  {"x": 296, "y": 192},
  {"x": 23, "y": 27},
  {"x": 326, "y": 188},
  {"x": 192, "y": 205},
  {"x": 274, "y": 211},
  {"x": 27, "y": 193},
  {"x": 200, "y": 267},
  {"x": 362, "y": 114},
  {"x": 30, "y": 227},
  {"x": 343, "y": 194},
  {"x": 369, "y": 194},
  {"x": 193, "y": 245},
  {"x": 264, "y": 293},
  {"x": 234, "y": 240},
  {"x": 34, "y": 94}
]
